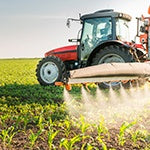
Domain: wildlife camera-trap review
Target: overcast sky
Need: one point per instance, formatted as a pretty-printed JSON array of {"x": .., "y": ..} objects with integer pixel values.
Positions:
[{"x": 29, "y": 28}]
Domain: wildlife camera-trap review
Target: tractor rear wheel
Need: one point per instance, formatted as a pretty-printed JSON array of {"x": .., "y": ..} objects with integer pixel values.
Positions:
[
  {"x": 109, "y": 54},
  {"x": 49, "y": 70}
]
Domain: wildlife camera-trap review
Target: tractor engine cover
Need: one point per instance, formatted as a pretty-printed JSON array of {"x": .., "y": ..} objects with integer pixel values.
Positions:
[{"x": 65, "y": 53}]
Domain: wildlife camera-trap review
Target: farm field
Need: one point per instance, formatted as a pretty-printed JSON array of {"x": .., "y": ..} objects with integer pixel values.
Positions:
[{"x": 35, "y": 117}]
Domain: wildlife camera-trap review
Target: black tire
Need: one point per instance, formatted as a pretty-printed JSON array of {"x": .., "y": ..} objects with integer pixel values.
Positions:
[
  {"x": 112, "y": 53},
  {"x": 49, "y": 70}
]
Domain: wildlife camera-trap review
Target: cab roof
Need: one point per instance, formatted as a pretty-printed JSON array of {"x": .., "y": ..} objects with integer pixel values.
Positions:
[{"x": 106, "y": 13}]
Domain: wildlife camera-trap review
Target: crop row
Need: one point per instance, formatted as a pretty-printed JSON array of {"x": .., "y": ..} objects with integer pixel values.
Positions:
[{"x": 30, "y": 131}]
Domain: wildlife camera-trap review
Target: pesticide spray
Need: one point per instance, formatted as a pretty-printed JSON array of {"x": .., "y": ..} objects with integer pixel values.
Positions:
[{"x": 113, "y": 105}]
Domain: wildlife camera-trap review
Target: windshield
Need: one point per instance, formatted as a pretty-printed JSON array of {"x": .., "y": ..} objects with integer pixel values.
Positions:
[
  {"x": 95, "y": 30},
  {"x": 122, "y": 30}
]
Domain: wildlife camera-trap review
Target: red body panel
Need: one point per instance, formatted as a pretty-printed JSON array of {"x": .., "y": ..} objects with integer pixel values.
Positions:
[
  {"x": 66, "y": 53},
  {"x": 134, "y": 45},
  {"x": 139, "y": 46}
]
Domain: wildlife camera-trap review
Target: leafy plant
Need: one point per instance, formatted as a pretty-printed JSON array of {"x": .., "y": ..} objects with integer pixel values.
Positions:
[
  {"x": 7, "y": 135},
  {"x": 124, "y": 127},
  {"x": 33, "y": 137},
  {"x": 101, "y": 128},
  {"x": 68, "y": 144},
  {"x": 67, "y": 127},
  {"x": 104, "y": 147},
  {"x": 84, "y": 125},
  {"x": 51, "y": 135},
  {"x": 26, "y": 120},
  {"x": 40, "y": 122},
  {"x": 138, "y": 135}
]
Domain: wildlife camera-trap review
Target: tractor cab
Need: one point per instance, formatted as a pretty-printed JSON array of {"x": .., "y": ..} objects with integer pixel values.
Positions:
[{"x": 100, "y": 28}]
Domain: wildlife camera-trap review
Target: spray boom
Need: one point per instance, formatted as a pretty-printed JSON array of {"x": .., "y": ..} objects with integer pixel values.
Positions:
[{"x": 110, "y": 72}]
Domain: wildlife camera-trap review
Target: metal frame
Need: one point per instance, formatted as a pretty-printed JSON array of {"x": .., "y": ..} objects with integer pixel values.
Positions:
[{"x": 102, "y": 79}]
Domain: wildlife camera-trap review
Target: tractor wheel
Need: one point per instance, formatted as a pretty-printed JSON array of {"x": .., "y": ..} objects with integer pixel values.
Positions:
[
  {"x": 109, "y": 54},
  {"x": 49, "y": 70}
]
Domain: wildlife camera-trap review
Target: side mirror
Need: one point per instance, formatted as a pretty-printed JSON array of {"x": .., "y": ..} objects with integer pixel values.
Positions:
[{"x": 68, "y": 23}]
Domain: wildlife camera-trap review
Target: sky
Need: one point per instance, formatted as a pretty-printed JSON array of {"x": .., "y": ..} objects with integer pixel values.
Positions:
[{"x": 29, "y": 28}]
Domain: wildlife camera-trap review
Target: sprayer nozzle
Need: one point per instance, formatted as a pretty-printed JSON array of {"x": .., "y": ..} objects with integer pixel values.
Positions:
[
  {"x": 68, "y": 87},
  {"x": 59, "y": 83}
]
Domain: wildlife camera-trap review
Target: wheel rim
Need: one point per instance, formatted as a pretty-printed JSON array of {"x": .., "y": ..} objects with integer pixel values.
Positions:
[
  {"x": 109, "y": 58},
  {"x": 49, "y": 72}
]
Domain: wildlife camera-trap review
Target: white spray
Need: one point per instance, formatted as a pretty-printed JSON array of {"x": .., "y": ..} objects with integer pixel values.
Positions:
[{"x": 115, "y": 105}]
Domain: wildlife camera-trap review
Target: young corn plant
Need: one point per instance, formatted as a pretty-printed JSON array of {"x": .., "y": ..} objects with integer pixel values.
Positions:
[
  {"x": 88, "y": 146},
  {"x": 33, "y": 138},
  {"x": 68, "y": 144},
  {"x": 18, "y": 120},
  {"x": 7, "y": 135},
  {"x": 26, "y": 120},
  {"x": 40, "y": 122},
  {"x": 49, "y": 124},
  {"x": 138, "y": 135},
  {"x": 91, "y": 147},
  {"x": 67, "y": 128},
  {"x": 51, "y": 135},
  {"x": 104, "y": 146},
  {"x": 124, "y": 127},
  {"x": 83, "y": 127},
  {"x": 3, "y": 119},
  {"x": 102, "y": 129}
]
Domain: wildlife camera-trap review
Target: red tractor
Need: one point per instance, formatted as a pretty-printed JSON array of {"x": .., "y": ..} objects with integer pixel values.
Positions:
[{"x": 103, "y": 39}]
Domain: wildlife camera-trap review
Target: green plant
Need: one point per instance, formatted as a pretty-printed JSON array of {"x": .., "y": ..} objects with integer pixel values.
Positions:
[
  {"x": 3, "y": 118},
  {"x": 84, "y": 125},
  {"x": 138, "y": 135},
  {"x": 51, "y": 135},
  {"x": 67, "y": 127},
  {"x": 104, "y": 147},
  {"x": 101, "y": 128},
  {"x": 7, "y": 135},
  {"x": 89, "y": 147},
  {"x": 40, "y": 122},
  {"x": 33, "y": 137},
  {"x": 18, "y": 121},
  {"x": 26, "y": 120},
  {"x": 68, "y": 144},
  {"x": 124, "y": 127}
]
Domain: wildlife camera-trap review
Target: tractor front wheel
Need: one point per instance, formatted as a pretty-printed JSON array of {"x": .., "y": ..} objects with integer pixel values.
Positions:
[
  {"x": 109, "y": 54},
  {"x": 49, "y": 70}
]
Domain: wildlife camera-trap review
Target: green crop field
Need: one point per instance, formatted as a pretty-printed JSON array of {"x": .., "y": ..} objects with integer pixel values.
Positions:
[{"x": 37, "y": 117}]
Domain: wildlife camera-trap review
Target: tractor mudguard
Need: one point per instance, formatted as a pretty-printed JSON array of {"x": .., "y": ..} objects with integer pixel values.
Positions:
[{"x": 104, "y": 44}]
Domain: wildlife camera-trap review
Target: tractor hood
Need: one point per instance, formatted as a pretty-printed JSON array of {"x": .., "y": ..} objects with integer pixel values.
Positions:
[{"x": 64, "y": 53}]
